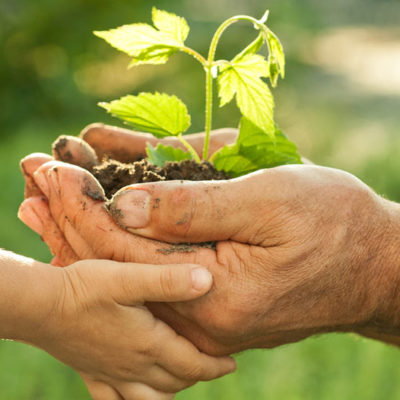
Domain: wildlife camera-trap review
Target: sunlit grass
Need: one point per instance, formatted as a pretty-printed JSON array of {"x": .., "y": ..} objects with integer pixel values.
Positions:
[{"x": 332, "y": 367}]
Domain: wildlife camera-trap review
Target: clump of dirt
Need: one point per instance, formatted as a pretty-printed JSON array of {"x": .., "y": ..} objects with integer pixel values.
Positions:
[
  {"x": 187, "y": 247},
  {"x": 114, "y": 175}
]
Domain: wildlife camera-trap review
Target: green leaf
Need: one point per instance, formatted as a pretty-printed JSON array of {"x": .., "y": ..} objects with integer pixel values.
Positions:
[
  {"x": 161, "y": 154},
  {"x": 171, "y": 24},
  {"x": 273, "y": 73},
  {"x": 242, "y": 77},
  {"x": 252, "y": 48},
  {"x": 277, "y": 55},
  {"x": 254, "y": 150},
  {"x": 252, "y": 65},
  {"x": 146, "y": 44},
  {"x": 157, "y": 113}
]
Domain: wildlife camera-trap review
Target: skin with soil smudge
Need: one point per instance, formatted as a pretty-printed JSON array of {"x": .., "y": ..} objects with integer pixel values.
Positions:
[{"x": 114, "y": 175}]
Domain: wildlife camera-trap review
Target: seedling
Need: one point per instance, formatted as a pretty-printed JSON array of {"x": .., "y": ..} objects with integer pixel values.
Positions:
[{"x": 260, "y": 144}]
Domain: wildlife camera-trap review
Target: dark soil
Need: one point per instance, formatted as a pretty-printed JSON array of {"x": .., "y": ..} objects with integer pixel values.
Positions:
[
  {"x": 114, "y": 175},
  {"x": 187, "y": 247}
]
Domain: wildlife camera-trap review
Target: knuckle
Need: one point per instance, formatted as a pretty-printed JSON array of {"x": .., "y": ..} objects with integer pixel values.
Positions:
[
  {"x": 183, "y": 203},
  {"x": 145, "y": 349},
  {"x": 122, "y": 284},
  {"x": 167, "y": 282},
  {"x": 196, "y": 372}
]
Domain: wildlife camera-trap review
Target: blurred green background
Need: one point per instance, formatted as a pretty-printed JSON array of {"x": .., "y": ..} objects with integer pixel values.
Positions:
[{"x": 340, "y": 103}]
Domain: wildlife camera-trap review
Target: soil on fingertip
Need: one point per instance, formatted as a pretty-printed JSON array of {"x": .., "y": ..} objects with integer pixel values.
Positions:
[{"x": 114, "y": 175}]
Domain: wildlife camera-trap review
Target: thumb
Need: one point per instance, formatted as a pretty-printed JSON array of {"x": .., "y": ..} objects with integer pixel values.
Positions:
[
  {"x": 138, "y": 283},
  {"x": 186, "y": 211}
]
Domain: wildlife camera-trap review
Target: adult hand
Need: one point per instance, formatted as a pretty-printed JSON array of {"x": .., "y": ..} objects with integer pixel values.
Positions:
[
  {"x": 98, "y": 141},
  {"x": 301, "y": 249}
]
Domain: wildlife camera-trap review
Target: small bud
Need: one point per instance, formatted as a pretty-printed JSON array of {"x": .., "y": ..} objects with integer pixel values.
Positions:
[
  {"x": 264, "y": 18},
  {"x": 214, "y": 71}
]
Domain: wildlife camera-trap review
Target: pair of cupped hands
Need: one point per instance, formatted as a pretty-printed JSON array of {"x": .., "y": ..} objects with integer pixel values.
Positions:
[{"x": 292, "y": 259}]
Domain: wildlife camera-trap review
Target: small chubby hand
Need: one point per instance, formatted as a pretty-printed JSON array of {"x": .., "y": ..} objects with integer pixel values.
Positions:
[{"x": 98, "y": 325}]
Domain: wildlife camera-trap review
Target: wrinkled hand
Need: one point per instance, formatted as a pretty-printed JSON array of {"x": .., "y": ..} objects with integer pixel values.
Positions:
[{"x": 296, "y": 251}]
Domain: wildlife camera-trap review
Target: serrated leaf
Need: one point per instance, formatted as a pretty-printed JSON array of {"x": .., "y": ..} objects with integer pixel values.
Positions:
[
  {"x": 251, "y": 64},
  {"x": 170, "y": 23},
  {"x": 153, "y": 57},
  {"x": 277, "y": 55},
  {"x": 273, "y": 73},
  {"x": 158, "y": 113},
  {"x": 254, "y": 150},
  {"x": 161, "y": 154},
  {"x": 231, "y": 160},
  {"x": 242, "y": 78},
  {"x": 252, "y": 48},
  {"x": 146, "y": 44}
]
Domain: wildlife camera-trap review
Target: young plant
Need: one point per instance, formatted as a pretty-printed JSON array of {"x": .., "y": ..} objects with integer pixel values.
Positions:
[{"x": 260, "y": 144}]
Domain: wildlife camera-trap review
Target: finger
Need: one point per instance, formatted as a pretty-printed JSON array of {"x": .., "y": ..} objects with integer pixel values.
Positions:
[
  {"x": 75, "y": 151},
  {"x": 182, "y": 359},
  {"x": 126, "y": 145},
  {"x": 117, "y": 143},
  {"x": 30, "y": 215},
  {"x": 180, "y": 316},
  {"x": 140, "y": 391},
  {"x": 165, "y": 283},
  {"x": 57, "y": 261},
  {"x": 35, "y": 213},
  {"x": 77, "y": 204},
  {"x": 47, "y": 179},
  {"x": 160, "y": 379},
  {"x": 29, "y": 165},
  {"x": 100, "y": 390},
  {"x": 184, "y": 211}
]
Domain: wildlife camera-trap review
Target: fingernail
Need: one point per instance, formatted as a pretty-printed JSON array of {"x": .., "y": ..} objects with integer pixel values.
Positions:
[
  {"x": 41, "y": 181},
  {"x": 201, "y": 279},
  {"x": 131, "y": 208}
]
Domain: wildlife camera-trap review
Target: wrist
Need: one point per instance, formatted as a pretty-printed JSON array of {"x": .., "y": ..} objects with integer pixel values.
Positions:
[
  {"x": 384, "y": 286},
  {"x": 29, "y": 296}
]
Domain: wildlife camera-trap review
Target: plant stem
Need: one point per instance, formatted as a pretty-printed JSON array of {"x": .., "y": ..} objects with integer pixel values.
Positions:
[
  {"x": 194, "y": 54},
  {"x": 209, "y": 72},
  {"x": 189, "y": 147}
]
